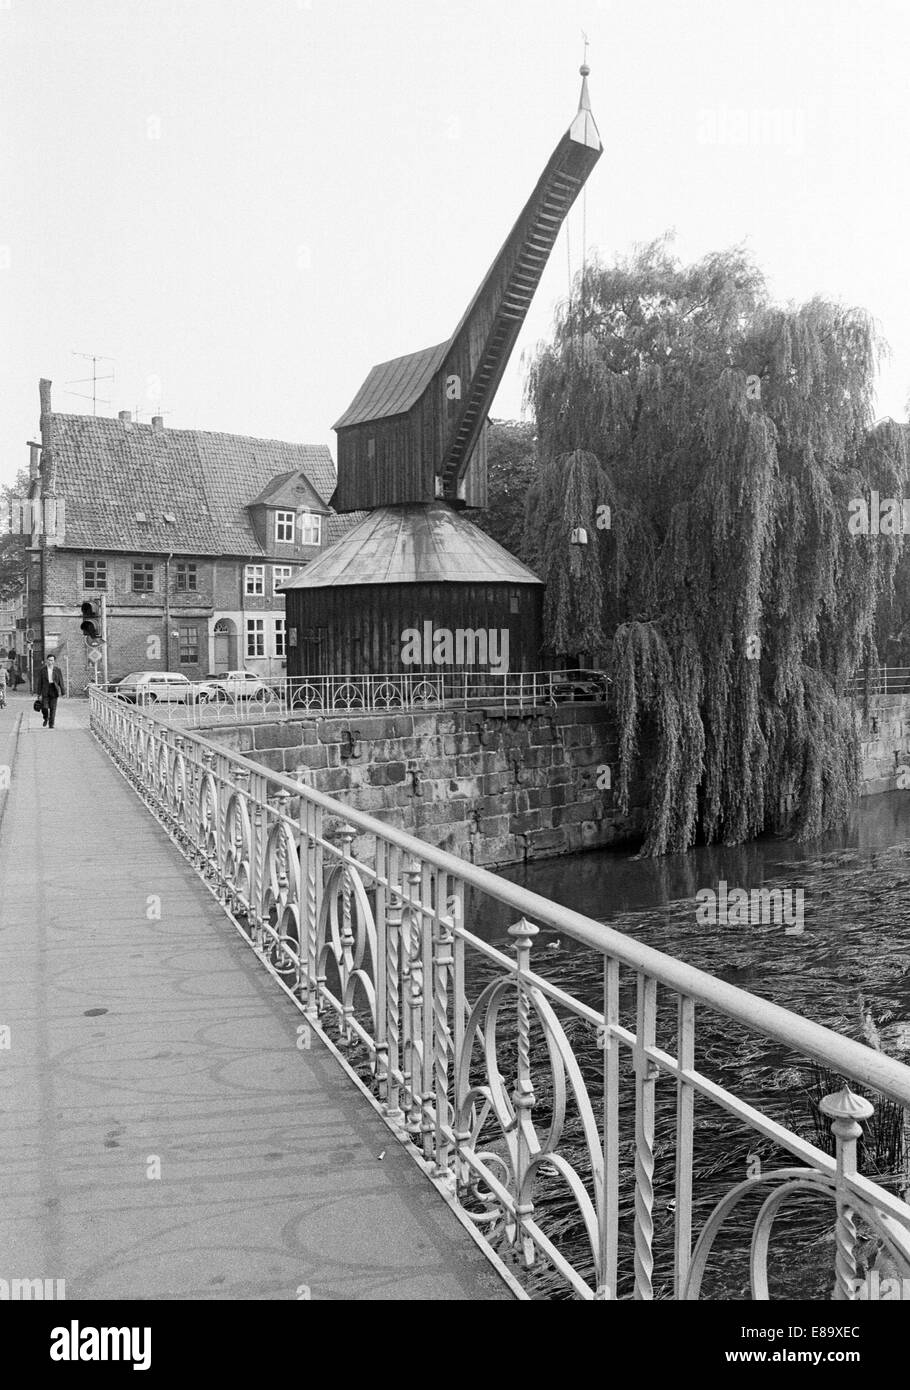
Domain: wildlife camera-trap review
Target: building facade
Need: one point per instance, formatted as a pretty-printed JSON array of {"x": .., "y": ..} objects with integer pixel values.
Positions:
[{"x": 170, "y": 545}]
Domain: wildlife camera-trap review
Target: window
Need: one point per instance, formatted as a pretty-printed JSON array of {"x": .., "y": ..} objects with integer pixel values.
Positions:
[
  {"x": 143, "y": 576},
  {"x": 280, "y": 646},
  {"x": 94, "y": 574},
  {"x": 280, "y": 575},
  {"x": 310, "y": 524},
  {"x": 284, "y": 526},
  {"x": 186, "y": 575},
  {"x": 255, "y": 579},
  {"x": 255, "y": 637},
  {"x": 189, "y": 645}
]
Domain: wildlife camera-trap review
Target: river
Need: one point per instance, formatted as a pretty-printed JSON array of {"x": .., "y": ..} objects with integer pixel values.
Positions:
[{"x": 855, "y": 947}]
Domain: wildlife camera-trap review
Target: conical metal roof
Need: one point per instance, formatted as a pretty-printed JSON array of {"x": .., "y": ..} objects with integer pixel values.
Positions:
[{"x": 419, "y": 544}]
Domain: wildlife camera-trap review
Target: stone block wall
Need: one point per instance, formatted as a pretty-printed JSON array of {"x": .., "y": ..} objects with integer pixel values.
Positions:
[
  {"x": 494, "y": 787},
  {"x": 885, "y": 742}
]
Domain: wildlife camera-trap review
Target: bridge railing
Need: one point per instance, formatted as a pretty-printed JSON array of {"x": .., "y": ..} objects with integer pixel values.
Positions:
[
  {"x": 206, "y": 702},
  {"x": 560, "y": 1123}
]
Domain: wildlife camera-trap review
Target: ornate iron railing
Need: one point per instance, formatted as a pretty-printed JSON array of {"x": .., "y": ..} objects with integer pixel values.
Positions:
[
  {"x": 508, "y": 1089},
  {"x": 204, "y": 702}
]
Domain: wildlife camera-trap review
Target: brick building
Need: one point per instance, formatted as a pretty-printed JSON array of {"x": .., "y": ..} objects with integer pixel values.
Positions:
[{"x": 187, "y": 534}]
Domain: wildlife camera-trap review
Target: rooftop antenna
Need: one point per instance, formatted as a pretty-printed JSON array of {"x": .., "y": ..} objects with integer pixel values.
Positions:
[{"x": 94, "y": 379}]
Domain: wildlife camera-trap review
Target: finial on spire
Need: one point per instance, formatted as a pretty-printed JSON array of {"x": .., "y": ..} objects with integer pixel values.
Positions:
[{"x": 583, "y": 128}]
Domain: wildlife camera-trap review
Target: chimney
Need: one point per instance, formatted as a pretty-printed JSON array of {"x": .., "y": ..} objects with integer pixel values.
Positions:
[
  {"x": 158, "y": 423},
  {"x": 44, "y": 393},
  {"x": 126, "y": 416},
  {"x": 34, "y": 460}
]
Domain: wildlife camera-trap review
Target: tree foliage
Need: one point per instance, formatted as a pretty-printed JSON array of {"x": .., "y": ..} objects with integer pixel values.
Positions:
[
  {"x": 727, "y": 435},
  {"x": 13, "y": 546},
  {"x": 511, "y": 470}
]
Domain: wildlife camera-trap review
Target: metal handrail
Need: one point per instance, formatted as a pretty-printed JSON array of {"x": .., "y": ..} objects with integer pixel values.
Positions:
[
  {"x": 380, "y": 693},
  {"x": 262, "y": 838},
  {"x": 881, "y": 680}
]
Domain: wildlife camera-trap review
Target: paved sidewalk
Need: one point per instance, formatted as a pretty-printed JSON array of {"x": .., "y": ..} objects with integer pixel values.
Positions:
[{"x": 139, "y": 1044}]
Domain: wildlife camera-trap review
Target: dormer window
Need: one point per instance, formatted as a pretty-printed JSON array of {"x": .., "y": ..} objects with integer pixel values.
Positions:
[
  {"x": 284, "y": 526},
  {"x": 309, "y": 527}
]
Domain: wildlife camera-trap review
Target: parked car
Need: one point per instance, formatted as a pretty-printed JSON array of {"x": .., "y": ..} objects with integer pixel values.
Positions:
[
  {"x": 211, "y": 689},
  {"x": 579, "y": 685},
  {"x": 153, "y": 687},
  {"x": 239, "y": 685}
]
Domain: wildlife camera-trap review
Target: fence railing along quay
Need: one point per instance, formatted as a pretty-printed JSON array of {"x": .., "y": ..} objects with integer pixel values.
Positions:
[
  {"x": 210, "y": 702},
  {"x": 882, "y": 680},
  {"x": 509, "y": 1090}
]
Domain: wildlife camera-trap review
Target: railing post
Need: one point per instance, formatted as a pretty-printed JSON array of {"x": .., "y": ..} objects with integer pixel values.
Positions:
[
  {"x": 311, "y": 889},
  {"x": 845, "y": 1110},
  {"x": 443, "y": 963},
  {"x": 523, "y": 933},
  {"x": 258, "y": 837},
  {"x": 645, "y": 1083},
  {"x": 412, "y": 987},
  {"x": 380, "y": 910},
  {"x": 346, "y": 963},
  {"x": 685, "y": 1124},
  {"x": 394, "y": 983},
  {"x": 609, "y": 1206}
]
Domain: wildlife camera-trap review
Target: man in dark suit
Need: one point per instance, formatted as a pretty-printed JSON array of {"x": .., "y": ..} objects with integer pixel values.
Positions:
[{"x": 48, "y": 690}]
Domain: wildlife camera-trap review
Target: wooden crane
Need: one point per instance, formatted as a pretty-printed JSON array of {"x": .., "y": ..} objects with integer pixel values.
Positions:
[{"x": 415, "y": 430}]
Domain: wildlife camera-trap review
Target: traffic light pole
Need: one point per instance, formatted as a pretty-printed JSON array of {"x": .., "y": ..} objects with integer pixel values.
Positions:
[{"x": 104, "y": 637}]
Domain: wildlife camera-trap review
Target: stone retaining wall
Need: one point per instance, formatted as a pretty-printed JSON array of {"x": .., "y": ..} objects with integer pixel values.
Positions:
[
  {"x": 885, "y": 743},
  {"x": 493, "y": 787}
]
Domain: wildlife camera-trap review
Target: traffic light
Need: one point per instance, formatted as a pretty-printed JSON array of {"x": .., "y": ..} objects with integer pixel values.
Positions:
[{"x": 89, "y": 627}]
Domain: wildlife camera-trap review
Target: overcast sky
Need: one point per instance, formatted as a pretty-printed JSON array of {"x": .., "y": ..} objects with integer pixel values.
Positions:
[{"x": 246, "y": 205}]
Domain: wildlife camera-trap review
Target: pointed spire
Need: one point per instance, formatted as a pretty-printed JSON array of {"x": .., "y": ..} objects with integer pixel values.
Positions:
[{"x": 583, "y": 130}]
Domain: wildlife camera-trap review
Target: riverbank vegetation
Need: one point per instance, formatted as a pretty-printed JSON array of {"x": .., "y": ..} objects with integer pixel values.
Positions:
[{"x": 703, "y": 444}]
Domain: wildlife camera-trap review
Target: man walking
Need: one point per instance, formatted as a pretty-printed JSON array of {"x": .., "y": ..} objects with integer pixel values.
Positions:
[{"x": 49, "y": 689}]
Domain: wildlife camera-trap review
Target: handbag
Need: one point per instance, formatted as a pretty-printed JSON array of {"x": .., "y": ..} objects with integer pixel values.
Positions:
[{"x": 37, "y": 704}]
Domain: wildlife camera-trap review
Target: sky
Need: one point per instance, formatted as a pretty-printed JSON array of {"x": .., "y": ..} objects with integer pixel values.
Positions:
[{"x": 246, "y": 205}]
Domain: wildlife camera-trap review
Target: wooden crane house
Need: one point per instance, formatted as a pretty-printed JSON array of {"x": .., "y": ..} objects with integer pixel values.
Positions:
[{"x": 412, "y": 453}]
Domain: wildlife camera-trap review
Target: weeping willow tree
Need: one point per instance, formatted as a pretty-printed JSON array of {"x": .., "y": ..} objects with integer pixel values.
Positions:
[{"x": 718, "y": 439}]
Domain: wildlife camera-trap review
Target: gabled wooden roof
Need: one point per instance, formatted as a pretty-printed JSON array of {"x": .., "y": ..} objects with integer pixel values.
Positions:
[
  {"x": 418, "y": 544},
  {"x": 392, "y": 387}
]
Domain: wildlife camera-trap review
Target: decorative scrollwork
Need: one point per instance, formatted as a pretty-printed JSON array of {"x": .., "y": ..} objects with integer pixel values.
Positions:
[
  {"x": 347, "y": 935},
  {"x": 529, "y": 1154}
]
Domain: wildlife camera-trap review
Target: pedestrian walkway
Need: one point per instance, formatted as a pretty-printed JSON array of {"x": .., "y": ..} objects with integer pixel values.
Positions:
[{"x": 145, "y": 1046}]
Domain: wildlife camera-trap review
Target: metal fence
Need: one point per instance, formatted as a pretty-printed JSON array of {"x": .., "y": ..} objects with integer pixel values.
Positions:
[
  {"x": 205, "y": 703},
  {"x": 882, "y": 680},
  {"x": 509, "y": 1090}
]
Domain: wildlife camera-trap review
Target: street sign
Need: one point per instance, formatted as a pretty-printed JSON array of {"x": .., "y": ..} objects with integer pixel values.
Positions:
[{"x": 94, "y": 654}]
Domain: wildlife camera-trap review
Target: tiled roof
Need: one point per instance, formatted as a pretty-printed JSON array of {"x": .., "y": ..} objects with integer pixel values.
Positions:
[
  {"x": 107, "y": 470},
  {"x": 418, "y": 544},
  {"x": 289, "y": 490},
  {"x": 391, "y": 388}
]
